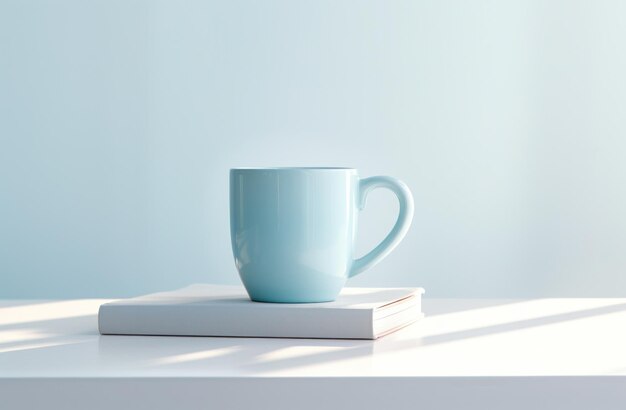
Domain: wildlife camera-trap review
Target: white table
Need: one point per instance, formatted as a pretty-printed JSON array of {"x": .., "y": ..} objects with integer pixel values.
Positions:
[{"x": 501, "y": 354}]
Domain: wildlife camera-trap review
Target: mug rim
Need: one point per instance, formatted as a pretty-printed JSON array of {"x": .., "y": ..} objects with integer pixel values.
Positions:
[{"x": 293, "y": 169}]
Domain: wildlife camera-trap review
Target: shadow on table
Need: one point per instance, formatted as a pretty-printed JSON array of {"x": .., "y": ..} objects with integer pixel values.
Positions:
[
  {"x": 28, "y": 325},
  {"x": 436, "y": 307},
  {"x": 522, "y": 324},
  {"x": 231, "y": 355},
  {"x": 271, "y": 355},
  {"x": 228, "y": 355}
]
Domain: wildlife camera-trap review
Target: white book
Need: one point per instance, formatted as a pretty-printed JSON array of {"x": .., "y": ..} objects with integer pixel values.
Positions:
[{"x": 216, "y": 310}]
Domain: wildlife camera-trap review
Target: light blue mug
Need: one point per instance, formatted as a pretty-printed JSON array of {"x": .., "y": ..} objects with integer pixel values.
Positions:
[{"x": 293, "y": 230}]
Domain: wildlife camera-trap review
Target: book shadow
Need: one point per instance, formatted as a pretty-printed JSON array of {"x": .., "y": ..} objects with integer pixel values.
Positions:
[{"x": 227, "y": 356}]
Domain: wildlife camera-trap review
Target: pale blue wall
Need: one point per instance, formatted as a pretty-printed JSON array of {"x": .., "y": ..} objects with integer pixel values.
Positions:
[{"x": 120, "y": 119}]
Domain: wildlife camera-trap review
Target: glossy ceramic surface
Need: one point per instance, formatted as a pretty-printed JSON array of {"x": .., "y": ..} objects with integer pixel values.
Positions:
[{"x": 293, "y": 230}]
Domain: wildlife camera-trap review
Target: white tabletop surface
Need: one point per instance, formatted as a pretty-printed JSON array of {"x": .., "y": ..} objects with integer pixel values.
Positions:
[{"x": 457, "y": 339}]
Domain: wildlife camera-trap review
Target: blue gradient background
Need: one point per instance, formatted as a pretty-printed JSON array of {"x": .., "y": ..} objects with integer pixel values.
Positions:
[{"x": 119, "y": 121}]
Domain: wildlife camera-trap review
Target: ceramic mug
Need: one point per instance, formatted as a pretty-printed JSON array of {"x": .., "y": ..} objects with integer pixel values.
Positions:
[{"x": 293, "y": 230}]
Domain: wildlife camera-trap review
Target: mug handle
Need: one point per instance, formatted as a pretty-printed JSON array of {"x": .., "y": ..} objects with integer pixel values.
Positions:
[{"x": 400, "y": 228}]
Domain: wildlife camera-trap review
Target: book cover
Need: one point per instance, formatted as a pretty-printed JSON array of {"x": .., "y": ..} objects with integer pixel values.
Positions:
[{"x": 217, "y": 310}]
